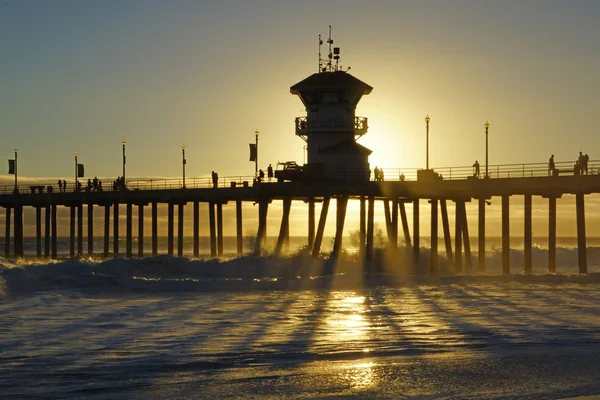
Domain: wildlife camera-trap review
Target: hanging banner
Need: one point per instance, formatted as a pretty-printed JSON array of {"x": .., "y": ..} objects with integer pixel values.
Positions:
[
  {"x": 11, "y": 167},
  {"x": 252, "y": 152},
  {"x": 80, "y": 173}
]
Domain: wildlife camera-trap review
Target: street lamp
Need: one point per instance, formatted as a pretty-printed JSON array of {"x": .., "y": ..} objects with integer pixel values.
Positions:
[
  {"x": 256, "y": 158},
  {"x": 124, "y": 161},
  {"x": 76, "y": 177},
  {"x": 427, "y": 119},
  {"x": 183, "y": 162},
  {"x": 16, "y": 187},
  {"x": 487, "y": 126}
]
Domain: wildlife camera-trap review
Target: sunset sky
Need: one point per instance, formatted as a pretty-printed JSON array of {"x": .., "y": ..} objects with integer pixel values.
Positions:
[{"x": 84, "y": 75}]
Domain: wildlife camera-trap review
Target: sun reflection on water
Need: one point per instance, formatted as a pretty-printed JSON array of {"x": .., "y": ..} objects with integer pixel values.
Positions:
[{"x": 345, "y": 320}]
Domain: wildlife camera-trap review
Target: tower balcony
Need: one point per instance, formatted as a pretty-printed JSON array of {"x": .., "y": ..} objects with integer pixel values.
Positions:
[{"x": 358, "y": 125}]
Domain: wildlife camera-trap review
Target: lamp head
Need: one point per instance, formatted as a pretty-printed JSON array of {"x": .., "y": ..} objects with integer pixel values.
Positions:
[
  {"x": 16, "y": 150},
  {"x": 486, "y": 125},
  {"x": 256, "y": 133},
  {"x": 123, "y": 143},
  {"x": 76, "y": 154},
  {"x": 183, "y": 147},
  {"x": 427, "y": 119}
]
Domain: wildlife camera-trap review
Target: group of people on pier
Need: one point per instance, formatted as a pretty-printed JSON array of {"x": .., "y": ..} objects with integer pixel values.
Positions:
[
  {"x": 579, "y": 168},
  {"x": 378, "y": 174}
]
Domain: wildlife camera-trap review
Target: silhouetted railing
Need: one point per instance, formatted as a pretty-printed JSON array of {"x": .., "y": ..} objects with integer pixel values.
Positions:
[{"x": 359, "y": 125}]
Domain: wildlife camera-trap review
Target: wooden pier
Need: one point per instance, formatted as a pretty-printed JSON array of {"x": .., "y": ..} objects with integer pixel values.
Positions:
[{"x": 394, "y": 195}]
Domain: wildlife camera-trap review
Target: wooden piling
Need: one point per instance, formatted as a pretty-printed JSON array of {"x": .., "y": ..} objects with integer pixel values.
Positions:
[
  {"x": 47, "y": 231},
  {"x": 106, "y": 229},
  {"x": 370, "y": 228},
  {"x": 433, "y": 260},
  {"x": 285, "y": 220},
  {"x": 129, "y": 230},
  {"x": 581, "y": 239},
  {"x": 54, "y": 249},
  {"x": 342, "y": 203},
  {"x": 505, "y": 236},
  {"x": 458, "y": 235},
  {"x": 154, "y": 229},
  {"x": 416, "y": 231},
  {"x": 18, "y": 231},
  {"x": 220, "y": 229},
  {"x": 116, "y": 229},
  {"x": 79, "y": 230},
  {"x": 405, "y": 227},
  {"x": 466, "y": 239},
  {"x": 72, "y": 232},
  {"x": 388, "y": 221},
  {"x": 263, "y": 207},
  {"x": 90, "y": 229},
  {"x": 180, "y": 229},
  {"x": 362, "y": 234},
  {"x": 140, "y": 230},
  {"x": 170, "y": 212},
  {"x": 527, "y": 236},
  {"x": 38, "y": 231},
  {"x": 238, "y": 227},
  {"x": 321, "y": 228},
  {"x": 196, "y": 229},
  {"x": 395, "y": 206},
  {"x": 552, "y": 234},
  {"x": 481, "y": 234},
  {"x": 7, "y": 233},
  {"x": 311, "y": 223},
  {"x": 213, "y": 229},
  {"x": 446, "y": 229}
]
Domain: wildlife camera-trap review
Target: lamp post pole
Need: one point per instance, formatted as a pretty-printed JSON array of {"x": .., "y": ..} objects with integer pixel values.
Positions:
[
  {"x": 256, "y": 159},
  {"x": 487, "y": 126},
  {"x": 183, "y": 162},
  {"x": 16, "y": 186},
  {"x": 427, "y": 119},
  {"x": 124, "y": 161},
  {"x": 76, "y": 177}
]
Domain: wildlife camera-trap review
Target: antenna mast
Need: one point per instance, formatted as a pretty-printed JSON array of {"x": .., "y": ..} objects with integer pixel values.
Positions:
[{"x": 326, "y": 65}]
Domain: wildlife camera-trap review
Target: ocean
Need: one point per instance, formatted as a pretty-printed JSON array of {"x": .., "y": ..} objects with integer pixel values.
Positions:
[{"x": 296, "y": 328}]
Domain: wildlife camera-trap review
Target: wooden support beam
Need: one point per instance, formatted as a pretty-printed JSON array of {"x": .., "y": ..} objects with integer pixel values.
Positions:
[
  {"x": 458, "y": 236},
  {"x": 106, "y": 229},
  {"x": 311, "y": 223},
  {"x": 196, "y": 229},
  {"x": 263, "y": 208},
  {"x": 79, "y": 230},
  {"x": 433, "y": 260},
  {"x": 446, "y": 229},
  {"x": 370, "y": 228},
  {"x": 552, "y": 235},
  {"x": 238, "y": 227},
  {"x": 581, "y": 239},
  {"x": 129, "y": 230},
  {"x": 154, "y": 229},
  {"x": 405, "y": 227},
  {"x": 220, "y": 229},
  {"x": 7, "y": 233},
  {"x": 47, "y": 231},
  {"x": 388, "y": 221},
  {"x": 116, "y": 229},
  {"x": 481, "y": 234},
  {"x": 170, "y": 233},
  {"x": 342, "y": 204},
  {"x": 466, "y": 239},
  {"x": 505, "y": 235},
  {"x": 321, "y": 228},
  {"x": 362, "y": 234},
  {"x": 140, "y": 230},
  {"x": 72, "y": 232},
  {"x": 180, "y": 230},
  {"x": 90, "y": 229},
  {"x": 38, "y": 231},
  {"x": 54, "y": 238},
  {"x": 527, "y": 236},
  {"x": 18, "y": 231},
  {"x": 395, "y": 205},
  {"x": 213, "y": 229},
  {"x": 416, "y": 231},
  {"x": 285, "y": 221}
]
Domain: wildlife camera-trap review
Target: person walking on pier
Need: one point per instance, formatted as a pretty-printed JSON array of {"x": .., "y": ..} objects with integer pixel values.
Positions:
[
  {"x": 270, "y": 172},
  {"x": 215, "y": 179},
  {"x": 476, "y": 169},
  {"x": 64, "y": 185},
  {"x": 581, "y": 161},
  {"x": 59, "y": 185},
  {"x": 586, "y": 158},
  {"x": 551, "y": 166}
]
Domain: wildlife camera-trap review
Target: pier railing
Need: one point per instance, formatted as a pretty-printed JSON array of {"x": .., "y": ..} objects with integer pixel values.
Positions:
[{"x": 505, "y": 171}]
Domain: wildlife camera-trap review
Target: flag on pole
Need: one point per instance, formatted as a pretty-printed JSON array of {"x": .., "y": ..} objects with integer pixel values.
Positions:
[
  {"x": 11, "y": 167},
  {"x": 80, "y": 173},
  {"x": 252, "y": 151}
]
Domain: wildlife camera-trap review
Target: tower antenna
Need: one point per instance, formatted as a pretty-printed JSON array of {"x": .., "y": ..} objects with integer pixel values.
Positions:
[
  {"x": 320, "y": 44},
  {"x": 330, "y": 55}
]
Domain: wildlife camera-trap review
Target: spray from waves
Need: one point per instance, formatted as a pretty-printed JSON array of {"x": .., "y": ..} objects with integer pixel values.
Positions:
[{"x": 296, "y": 272}]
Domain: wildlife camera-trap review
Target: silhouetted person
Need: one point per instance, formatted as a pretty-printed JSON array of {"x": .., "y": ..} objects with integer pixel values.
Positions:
[
  {"x": 59, "y": 185},
  {"x": 380, "y": 175},
  {"x": 89, "y": 185},
  {"x": 215, "y": 179},
  {"x": 261, "y": 175},
  {"x": 586, "y": 159},
  {"x": 581, "y": 161},
  {"x": 95, "y": 183},
  {"x": 270, "y": 172},
  {"x": 78, "y": 187},
  {"x": 64, "y": 185},
  {"x": 476, "y": 169},
  {"x": 376, "y": 174},
  {"x": 99, "y": 185},
  {"x": 402, "y": 177},
  {"x": 551, "y": 166}
]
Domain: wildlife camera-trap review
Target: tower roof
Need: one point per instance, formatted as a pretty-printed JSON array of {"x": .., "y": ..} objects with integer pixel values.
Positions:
[{"x": 331, "y": 80}]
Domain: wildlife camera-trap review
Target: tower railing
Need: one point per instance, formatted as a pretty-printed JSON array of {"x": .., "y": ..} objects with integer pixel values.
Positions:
[{"x": 359, "y": 125}]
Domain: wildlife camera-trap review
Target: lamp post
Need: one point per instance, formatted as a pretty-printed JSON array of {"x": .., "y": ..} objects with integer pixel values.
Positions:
[
  {"x": 427, "y": 119},
  {"x": 256, "y": 159},
  {"x": 183, "y": 162},
  {"x": 124, "y": 161},
  {"x": 487, "y": 126},
  {"x": 76, "y": 177},
  {"x": 16, "y": 186}
]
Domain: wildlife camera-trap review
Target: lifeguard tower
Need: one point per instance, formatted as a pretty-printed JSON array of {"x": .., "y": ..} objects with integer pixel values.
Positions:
[{"x": 331, "y": 127}]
